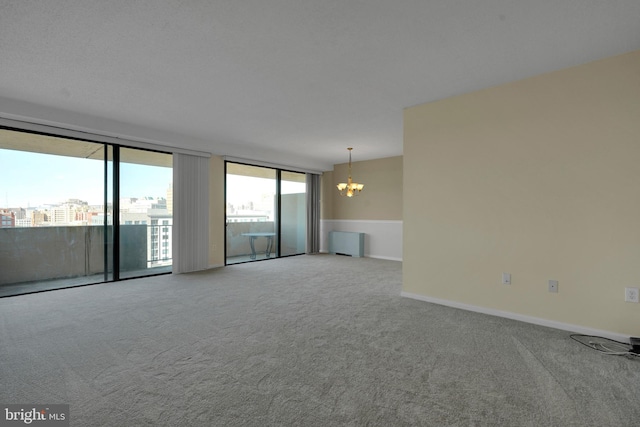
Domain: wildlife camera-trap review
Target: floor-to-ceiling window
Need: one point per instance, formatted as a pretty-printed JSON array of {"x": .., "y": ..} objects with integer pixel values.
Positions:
[
  {"x": 146, "y": 212},
  {"x": 65, "y": 219},
  {"x": 265, "y": 213},
  {"x": 53, "y": 191},
  {"x": 251, "y": 220}
]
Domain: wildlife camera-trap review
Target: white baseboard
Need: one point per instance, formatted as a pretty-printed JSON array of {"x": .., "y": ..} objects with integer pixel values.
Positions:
[
  {"x": 520, "y": 317},
  {"x": 389, "y": 258},
  {"x": 372, "y": 256}
]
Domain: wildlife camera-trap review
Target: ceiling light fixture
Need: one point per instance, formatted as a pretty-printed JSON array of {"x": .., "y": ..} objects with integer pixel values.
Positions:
[{"x": 350, "y": 188}]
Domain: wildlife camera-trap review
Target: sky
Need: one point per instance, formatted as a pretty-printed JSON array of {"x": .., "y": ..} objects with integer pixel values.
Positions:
[
  {"x": 33, "y": 179},
  {"x": 241, "y": 189}
]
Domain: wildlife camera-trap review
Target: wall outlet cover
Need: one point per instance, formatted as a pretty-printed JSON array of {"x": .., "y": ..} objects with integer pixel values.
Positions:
[
  {"x": 506, "y": 278},
  {"x": 553, "y": 286},
  {"x": 631, "y": 295}
]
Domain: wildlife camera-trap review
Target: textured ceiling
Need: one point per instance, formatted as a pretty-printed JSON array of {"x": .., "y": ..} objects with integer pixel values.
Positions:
[{"x": 288, "y": 81}]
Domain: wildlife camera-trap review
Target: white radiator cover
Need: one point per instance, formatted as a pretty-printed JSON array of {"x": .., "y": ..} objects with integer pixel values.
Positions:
[
  {"x": 383, "y": 237},
  {"x": 346, "y": 243}
]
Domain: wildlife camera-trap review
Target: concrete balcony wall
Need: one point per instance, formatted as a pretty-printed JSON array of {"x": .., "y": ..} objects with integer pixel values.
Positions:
[
  {"x": 133, "y": 246},
  {"x": 45, "y": 253}
]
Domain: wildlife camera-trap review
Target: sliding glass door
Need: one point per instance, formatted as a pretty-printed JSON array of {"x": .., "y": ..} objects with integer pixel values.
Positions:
[
  {"x": 265, "y": 213},
  {"x": 65, "y": 220},
  {"x": 56, "y": 196},
  {"x": 146, "y": 212},
  {"x": 251, "y": 219}
]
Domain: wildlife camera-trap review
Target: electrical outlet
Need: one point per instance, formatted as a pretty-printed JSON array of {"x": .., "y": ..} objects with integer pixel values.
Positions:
[
  {"x": 631, "y": 295},
  {"x": 506, "y": 278},
  {"x": 553, "y": 286}
]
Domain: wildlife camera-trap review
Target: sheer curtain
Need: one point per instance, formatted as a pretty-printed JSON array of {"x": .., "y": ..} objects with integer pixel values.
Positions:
[
  {"x": 190, "y": 213},
  {"x": 313, "y": 213}
]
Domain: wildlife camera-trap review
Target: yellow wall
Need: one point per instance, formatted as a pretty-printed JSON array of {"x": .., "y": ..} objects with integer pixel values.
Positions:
[
  {"x": 539, "y": 178},
  {"x": 381, "y": 198},
  {"x": 327, "y": 188}
]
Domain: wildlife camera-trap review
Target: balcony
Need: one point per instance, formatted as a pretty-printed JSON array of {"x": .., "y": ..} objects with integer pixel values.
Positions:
[
  {"x": 238, "y": 247},
  {"x": 38, "y": 258},
  {"x": 292, "y": 240}
]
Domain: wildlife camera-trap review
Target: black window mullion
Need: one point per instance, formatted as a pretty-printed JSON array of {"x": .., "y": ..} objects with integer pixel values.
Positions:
[
  {"x": 226, "y": 225},
  {"x": 278, "y": 216},
  {"x": 116, "y": 213},
  {"x": 105, "y": 208}
]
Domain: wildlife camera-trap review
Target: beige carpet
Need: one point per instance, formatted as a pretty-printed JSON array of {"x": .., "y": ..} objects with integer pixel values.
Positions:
[{"x": 316, "y": 340}]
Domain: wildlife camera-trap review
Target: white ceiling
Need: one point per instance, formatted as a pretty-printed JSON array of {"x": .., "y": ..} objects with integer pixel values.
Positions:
[{"x": 293, "y": 82}]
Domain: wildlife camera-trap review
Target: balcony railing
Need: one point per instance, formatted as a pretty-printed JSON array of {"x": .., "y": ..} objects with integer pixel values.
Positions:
[{"x": 47, "y": 253}]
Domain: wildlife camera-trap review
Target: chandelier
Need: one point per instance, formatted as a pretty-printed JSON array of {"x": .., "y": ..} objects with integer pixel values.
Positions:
[{"x": 350, "y": 188}]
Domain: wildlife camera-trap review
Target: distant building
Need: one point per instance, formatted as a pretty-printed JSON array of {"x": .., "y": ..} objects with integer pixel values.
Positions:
[
  {"x": 248, "y": 217},
  {"x": 61, "y": 215},
  {"x": 170, "y": 199},
  {"x": 159, "y": 240},
  {"x": 99, "y": 218},
  {"x": 7, "y": 219},
  {"x": 154, "y": 214},
  {"x": 134, "y": 218},
  {"x": 19, "y": 213},
  {"x": 24, "y": 222},
  {"x": 12, "y": 217},
  {"x": 39, "y": 218},
  {"x": 71, "y": 212}
]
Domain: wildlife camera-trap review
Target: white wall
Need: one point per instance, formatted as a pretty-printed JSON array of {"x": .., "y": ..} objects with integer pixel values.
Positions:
[{"x": 383, "y": 238}]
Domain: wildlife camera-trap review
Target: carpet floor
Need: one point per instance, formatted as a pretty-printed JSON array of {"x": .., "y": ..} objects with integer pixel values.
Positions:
[{"x": 314, "y": 340}]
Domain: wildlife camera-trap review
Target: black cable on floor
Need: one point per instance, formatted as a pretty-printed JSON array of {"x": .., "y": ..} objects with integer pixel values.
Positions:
[{"x": 606, "y": 345}]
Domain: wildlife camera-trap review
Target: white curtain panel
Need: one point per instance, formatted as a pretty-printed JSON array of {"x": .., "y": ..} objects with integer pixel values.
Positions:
[
  {"x": 190, "y": 213},
  {"x": 313, "y": 213}
]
